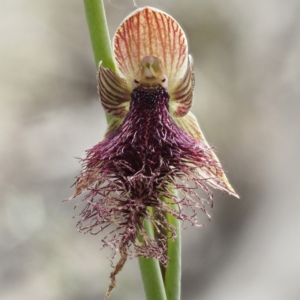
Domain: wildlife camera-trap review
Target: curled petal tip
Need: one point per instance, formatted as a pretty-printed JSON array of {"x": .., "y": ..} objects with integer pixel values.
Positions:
[
  {"x": 228, "y": 188},
  {"x": 233, "y": 193}
]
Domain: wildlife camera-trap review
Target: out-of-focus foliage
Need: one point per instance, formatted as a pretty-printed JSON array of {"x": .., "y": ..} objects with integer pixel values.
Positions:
[{"x": 247, "y": 94}]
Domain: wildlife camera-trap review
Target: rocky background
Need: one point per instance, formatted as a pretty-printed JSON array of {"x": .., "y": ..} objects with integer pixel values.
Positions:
[{"x": 247, "y": 65}]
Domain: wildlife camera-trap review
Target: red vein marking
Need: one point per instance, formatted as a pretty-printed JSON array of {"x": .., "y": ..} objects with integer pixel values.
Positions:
[
  {"x": 138, "y": 35},
  {"x": 150, "y": 31},
  {"x": 160, "y": 33}
]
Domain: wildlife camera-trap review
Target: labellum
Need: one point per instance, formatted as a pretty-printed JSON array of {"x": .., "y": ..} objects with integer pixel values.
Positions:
[{"x": 153, "y": 144}]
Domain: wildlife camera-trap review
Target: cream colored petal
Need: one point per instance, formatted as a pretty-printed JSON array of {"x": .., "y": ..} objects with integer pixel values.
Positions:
[
  {"x": 113, "y": 91},
  {"x": 181, "y": 98},
  {"x": 215, "y": 177},
  {"x": 150, "y": 32}
]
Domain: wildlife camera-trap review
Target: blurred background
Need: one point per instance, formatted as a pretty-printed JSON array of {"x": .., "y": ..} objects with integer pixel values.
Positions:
[{"x": 247, "y": 66}]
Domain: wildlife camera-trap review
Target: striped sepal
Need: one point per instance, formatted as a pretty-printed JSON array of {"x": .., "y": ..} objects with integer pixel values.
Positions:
[
  {"x": 182, "y": 97},
  {"x": 113, "y": 91},
  {"x": 151, "y": 32},
  {"x": 214, "y": 176}
]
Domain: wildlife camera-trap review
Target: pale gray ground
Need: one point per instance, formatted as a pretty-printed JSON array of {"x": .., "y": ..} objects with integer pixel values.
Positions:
[{"x": 247, "y": 61}]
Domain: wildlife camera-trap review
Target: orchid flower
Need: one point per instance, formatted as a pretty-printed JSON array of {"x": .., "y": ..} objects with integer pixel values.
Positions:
[{"x": 152, "y": 146}]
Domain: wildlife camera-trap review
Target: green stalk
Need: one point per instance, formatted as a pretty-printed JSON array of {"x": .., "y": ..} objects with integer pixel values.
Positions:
[
  {"x": 172, "y": 278},
  {"x": 96, "y": 19},
  {"x": 151, "y": 273}
]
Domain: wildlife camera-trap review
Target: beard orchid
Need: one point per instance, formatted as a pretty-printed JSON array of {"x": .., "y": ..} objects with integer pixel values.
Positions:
[{"x": 153, "y": 145}]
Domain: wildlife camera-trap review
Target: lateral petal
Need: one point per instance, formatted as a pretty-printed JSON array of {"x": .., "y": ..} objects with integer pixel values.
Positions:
[
  {"x": 215, "y": 177},
  {"x": 113, "y": 91},
  {"x": 181, "y": 98}
]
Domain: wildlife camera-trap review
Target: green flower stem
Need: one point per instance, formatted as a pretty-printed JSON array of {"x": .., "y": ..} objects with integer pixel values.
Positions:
[
  {"x": 151, "y": 272},
  {"x": 96, "y": 19},
  {"x": 173, "y": 270}
]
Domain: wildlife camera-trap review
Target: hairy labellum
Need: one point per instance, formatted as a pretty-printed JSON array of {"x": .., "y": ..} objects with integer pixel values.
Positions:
[{"x": 134, "y": 168}]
